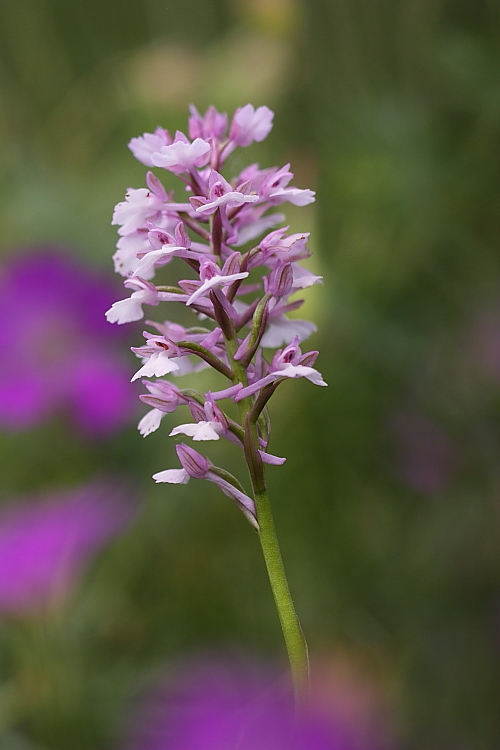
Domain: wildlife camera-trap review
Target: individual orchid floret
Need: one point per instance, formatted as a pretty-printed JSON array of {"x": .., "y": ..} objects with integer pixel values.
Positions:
[
  {"x": 152, "y": 260},
  {"x": 159, "y": 237},
  {"x": 194, "y": 465},
  {"x": 148, "y": 144},
  {"x": 211, "y": 276},
  {"x": 273, "y": 188},
  {"x": 139, "y": 206},
  {"x": 211, "y": 422},
  {"x": 281, "y": 246},
  {"x": 199, "y": 430},
  {"x": 129, "y": 310},
  {"x": 159, "y": 355},
  {"x": 182, "y": 155},
  {"x": 289, "y": 363},
  {"x": 249, "y": 125},
  {"x": 164, "y": 398},
  {"x": 221, "y": 193},
  {"x": 163, "y": 247}
]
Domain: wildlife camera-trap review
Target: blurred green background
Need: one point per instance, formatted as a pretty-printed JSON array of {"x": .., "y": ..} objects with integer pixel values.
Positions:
[{"x": 388, "y": 505}]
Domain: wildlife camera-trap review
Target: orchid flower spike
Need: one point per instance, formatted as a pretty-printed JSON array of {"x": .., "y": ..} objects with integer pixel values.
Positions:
[{"x": 238, "y": 272}]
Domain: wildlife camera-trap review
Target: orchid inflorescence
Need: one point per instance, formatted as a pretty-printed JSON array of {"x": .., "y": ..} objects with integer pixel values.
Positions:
[{"x": 214, "y": 232}]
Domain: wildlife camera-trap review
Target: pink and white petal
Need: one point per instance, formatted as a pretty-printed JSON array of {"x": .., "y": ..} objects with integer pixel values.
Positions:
[
  {"x": 232, "y": 198},
  {"x": 125, "y": 310},
  {"x": 215, "y": 281},
  {"x": 199, "y": 430},
  {"x": 172, "y": 476},
  {"x": 303, "y": 278},
  {"x": 302, "y": 371},
  {"x": 132, "y": 213},
  {"x": 150, "y": 422},
  {"x": 250, "y": 124},
  {"x": 180, "y": 156},
  {"x": 297, "y": 196},
  {"x": 158, "y": 364},
  {"x": 143, "y": 147},
  {"x": 146, "y": 266},
  {"x": 128, "y": 246}
]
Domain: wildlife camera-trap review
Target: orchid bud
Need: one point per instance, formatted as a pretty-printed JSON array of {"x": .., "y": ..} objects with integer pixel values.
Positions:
[
  {"x": 192, "y": 461},
  {"x": 280, "y": 280}
]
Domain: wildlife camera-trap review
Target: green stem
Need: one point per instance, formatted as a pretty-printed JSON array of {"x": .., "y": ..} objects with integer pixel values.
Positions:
[
  {"x": 292, "y": 632},
  {"x": 294, "y": 638}
]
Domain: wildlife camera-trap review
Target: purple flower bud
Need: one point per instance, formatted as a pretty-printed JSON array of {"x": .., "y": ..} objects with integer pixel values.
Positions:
[
  {"x": 192, "y": 461},
  {"x": 162, "y": 396},
  {"x": 212, "y": 124},
  {"x": 280, "y": 280}
]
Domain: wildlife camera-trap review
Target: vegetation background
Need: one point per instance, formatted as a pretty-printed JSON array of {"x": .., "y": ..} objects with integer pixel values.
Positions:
[{"x": 389, "y": 504}]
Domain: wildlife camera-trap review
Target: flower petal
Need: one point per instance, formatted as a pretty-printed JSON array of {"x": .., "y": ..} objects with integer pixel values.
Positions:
[
  {"x": 172, "y": 476},
  {"x": 150, "y": 422},
  {"x": 198, "y": 430}
]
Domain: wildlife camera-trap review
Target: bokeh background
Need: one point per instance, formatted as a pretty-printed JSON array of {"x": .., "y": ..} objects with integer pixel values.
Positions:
[{"x": 389, "y": 504}]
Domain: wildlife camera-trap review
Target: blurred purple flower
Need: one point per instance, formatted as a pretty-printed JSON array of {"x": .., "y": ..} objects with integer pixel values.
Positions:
[
  {"x": 57, "y": 351},
  {"x": 45, "y": 543},
  {"x": 228, "y": 706}
]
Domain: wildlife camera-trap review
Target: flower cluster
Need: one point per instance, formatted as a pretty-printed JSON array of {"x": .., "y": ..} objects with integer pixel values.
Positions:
[{"x": 243, "y": 275}]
